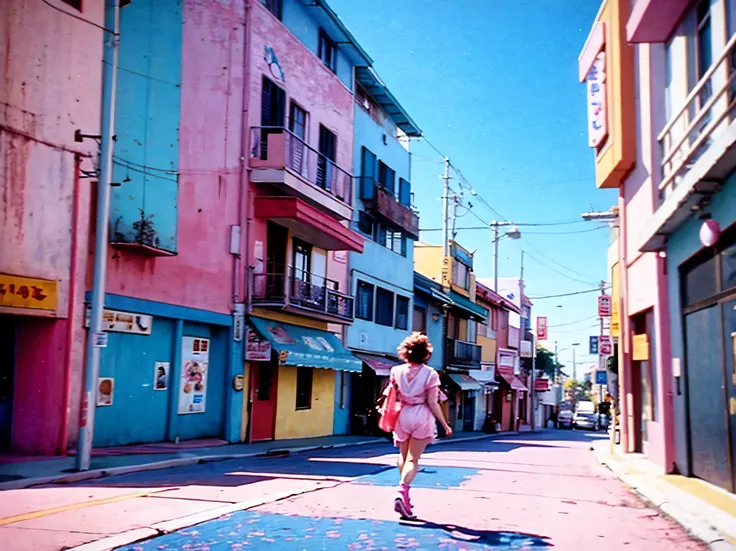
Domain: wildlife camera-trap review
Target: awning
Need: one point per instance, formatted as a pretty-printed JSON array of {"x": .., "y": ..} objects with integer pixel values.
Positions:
[
  {"x": 541, "y": 385},
  {"x": 507, "y": 374},
  {"x": 476, "y": 312},
  {"x": 485, "y": 377},
  {"x": 380, "y": 364},
  {"x": 304, "y": 347},
  {"x": 465, "y": 382}
]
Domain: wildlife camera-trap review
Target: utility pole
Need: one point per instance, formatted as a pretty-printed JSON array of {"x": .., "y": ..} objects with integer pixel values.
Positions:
[
  {"x": 601, "y": 363},
  {"x": 446, "y": 211},
  {"x": 96, "y": 339},
  {"x": 495, "y": 257}
]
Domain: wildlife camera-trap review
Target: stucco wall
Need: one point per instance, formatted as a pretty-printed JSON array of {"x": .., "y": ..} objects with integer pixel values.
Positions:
[{"x": 316, "y": 421}]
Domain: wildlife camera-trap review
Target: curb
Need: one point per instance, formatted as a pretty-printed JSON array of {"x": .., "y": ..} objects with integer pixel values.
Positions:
[
  {"x": 694, "y": 525},
  {"x": 194, "y": 460}
]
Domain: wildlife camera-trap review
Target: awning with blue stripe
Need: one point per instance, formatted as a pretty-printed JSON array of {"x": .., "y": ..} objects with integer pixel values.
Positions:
[{"x": 305, "y": 347}]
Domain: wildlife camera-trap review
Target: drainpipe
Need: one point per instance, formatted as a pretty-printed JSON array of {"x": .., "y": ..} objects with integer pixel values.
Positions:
[
  {"x": 243, "y": 271},
  {"x": 63, "y": 438},
  {"x": 624, "y": 346},
  {"x": 92, "y": 367}
]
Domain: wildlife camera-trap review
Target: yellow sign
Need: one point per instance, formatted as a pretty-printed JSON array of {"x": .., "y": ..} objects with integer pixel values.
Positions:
[
  {"x": 615, "y": 302},
  {"x": 25, "y": 292},
  {"x": 641, "y": 348}
]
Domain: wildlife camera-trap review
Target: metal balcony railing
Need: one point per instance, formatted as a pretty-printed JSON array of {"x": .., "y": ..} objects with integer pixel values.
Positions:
[
  {"x": 464, "y": 353},
  {"x": 703, "y": 116},
  {"x": 277, "y": 147},
  {"x": 304, "y": 290}
]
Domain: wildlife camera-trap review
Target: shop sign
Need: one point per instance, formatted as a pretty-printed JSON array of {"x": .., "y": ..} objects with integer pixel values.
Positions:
[
  {"x": 526, "y": 349},
  {"x": 615, "y": 303},
  {"x": 121, "y": 322},
  {"x": 605, "y": 346},
  {"x": 596, "y": 97},
  {"x": 195, "y": 356},
  {"x": 640, "y": 352},
  {"x": 601, "y": 377},
  {"x": 604, "y": 306},
  {"x": 593, "y": 345},
  {"x": 26, "y": 292},
  {"x": 541, "y": 328},
  {"x": 256, "y": 349}
]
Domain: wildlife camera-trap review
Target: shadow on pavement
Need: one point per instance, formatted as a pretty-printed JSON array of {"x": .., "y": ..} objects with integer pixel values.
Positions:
[{"x": 493, "y": 538}]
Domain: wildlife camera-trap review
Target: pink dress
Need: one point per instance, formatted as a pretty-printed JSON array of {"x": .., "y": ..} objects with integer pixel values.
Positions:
[{"x": 415, "y": 418}]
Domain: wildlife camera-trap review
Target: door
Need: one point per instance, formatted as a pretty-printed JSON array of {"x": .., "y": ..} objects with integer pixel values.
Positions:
[
  {"x": 729, "y": 327},
  {"x": 297, "y": 147},
  {"x": 277, "y": 240},
  {"x": 327, "y": 155},
  {"x": 343, "y": 383},
  {"x": 707, "y": 408},
  {"x": 7, "y": 372},
  {"x": 273, "y": 107},
  {"x": 468, "y": 411},
  {"x": 263, "y": 400}
]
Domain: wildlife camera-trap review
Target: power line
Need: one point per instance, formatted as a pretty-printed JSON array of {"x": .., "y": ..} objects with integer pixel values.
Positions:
[
  {"x": 489, "y": 227},
  {"x": 540, "y": 253},
  {"x": 597, "y": 290},
  {"x": 571, "y": 278},
  {"x": 573, "y": 322}
]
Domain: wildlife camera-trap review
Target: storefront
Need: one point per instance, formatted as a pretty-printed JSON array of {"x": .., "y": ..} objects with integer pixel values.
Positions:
[
  {"x": 507, "y": 408},
  {"x": 464, "y": 394},
  {"x": 297, "y": 391},
  {"x": 367, "y": 388}
]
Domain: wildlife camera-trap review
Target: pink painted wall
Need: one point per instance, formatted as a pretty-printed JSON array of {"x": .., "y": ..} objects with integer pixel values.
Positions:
[
  {"x": 644, "y": 283},
  {"x": 50, "y": 81},
  {"x": 311, "y": 85},
  {"x": 201, "y": 275}
]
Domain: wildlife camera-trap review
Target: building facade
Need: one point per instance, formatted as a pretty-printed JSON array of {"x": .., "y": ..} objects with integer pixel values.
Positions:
[{"x": 382, "y": 277}]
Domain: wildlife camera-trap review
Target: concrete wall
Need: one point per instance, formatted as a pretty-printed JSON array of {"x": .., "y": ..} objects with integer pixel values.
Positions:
[
  {"x": 683, "y": 244},
  {"x": 50, "y": 87},
  {"x": 316, "y": 421},
  {"x": 428, "y": 261}
]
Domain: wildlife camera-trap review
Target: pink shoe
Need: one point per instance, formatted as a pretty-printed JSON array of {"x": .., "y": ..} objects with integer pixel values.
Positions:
[{"x": 402, "y": 503}]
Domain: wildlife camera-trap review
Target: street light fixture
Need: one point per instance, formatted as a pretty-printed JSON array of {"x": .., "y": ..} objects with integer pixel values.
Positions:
[{"x": 513, "y": 233}]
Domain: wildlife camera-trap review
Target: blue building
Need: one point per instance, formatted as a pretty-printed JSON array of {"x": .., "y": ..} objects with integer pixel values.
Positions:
[{"x": 382, "y": 278}]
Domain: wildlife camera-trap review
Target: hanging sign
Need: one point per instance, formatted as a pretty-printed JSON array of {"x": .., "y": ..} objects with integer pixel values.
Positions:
[
  {"x": 526, "y": 349},
  {"x": 25, "y": 292},
  {"x": 121, "y": 322},
  {"x": 195, "y": 356},
  {"x": 541, "y": 328},
  {"x": 640, "y": 348},
  {"x": 605, "y": 348},
  {"x": 604, "y": 306},
  {"x": 593, "y": 346},
  {"x": 597, "y": 116},
  {"x": 256, "y": 348}
]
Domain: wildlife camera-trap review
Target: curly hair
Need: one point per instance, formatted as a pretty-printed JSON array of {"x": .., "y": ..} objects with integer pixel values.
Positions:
[{"x": 416, "y": 348}]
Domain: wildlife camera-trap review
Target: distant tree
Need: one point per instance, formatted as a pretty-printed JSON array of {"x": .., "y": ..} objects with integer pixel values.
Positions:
[{"x": 545, "y": 361}]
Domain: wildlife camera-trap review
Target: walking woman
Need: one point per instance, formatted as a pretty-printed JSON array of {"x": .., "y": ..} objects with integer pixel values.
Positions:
[{"x": 417, "y": 387}]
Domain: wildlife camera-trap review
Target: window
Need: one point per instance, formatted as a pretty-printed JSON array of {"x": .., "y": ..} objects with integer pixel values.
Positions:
[
  {"x": 402, "y": 313},
  {"x": 304, "y": 376},
  {"x": 728, "y": 268},
  {"x": 699, "y": 281},
  {"x": 472, "y": 333},
  {"x": 364, "y": 301},
  {"x": 273, "y": 104},
  {"x": 276, "y": 7},
  {"x": 327, "y": 51},
  {"x": 482, "y": 330},
  {"x": 298, "y": 121},
  {"x": 384, "y": 307},
  {"x": 366, "y": 224},
  {"x": 76, "y": 4},
  {"x": 460, "y": 275},
  {"x": 302, "y": 260},
  {"x": 404, "y": 192},
  {"x": 328, "y": 153},
  {"x": 386, "y": 177},
  {"x": 396, "y": 241},
  {"x": 494, "y": 319},
  {"x": 419, "y": 321}
]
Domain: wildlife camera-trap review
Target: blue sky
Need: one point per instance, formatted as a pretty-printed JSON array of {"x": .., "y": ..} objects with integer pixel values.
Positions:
[{"x": 493, "y": 85}]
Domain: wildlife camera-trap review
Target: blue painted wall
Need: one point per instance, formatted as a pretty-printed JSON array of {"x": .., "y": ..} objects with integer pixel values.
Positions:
[
  {"x": 435, "y": 329},
  {"x": 147, "y": 118},
  {"x": 304, "y": 23},
  {"x": 683, "y": 244},
  {"x": 379, "y": 265},
  {"x": 139, "y": 414}
]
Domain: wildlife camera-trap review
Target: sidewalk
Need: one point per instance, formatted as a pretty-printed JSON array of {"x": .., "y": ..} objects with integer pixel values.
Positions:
[
  {"x": 62, "y": 470},
  {"x": 707, "y": 512}
]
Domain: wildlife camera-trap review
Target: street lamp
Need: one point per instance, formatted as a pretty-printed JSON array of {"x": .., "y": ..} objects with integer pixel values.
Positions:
[{"x": 513, "y": 233}]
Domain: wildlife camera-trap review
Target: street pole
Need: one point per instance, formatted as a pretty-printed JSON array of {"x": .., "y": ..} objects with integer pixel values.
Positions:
[
  {"x": 95, "y": 336},
  {"x": 495, "y": 256},
  {"x": 574, "y": 378},
  {"x": 446, "y": 211}
]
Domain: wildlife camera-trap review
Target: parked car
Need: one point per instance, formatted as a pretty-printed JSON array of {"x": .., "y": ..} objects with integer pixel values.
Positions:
[
  {"x": 564, "y": 419},
  {"x": 586, "y": 420}
]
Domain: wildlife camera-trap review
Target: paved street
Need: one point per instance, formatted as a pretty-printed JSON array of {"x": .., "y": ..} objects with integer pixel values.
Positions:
[{"x": 518, "y": 492}]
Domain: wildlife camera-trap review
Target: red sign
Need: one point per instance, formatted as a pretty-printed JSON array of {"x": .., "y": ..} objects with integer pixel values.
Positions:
[
  {"x": 605, "y": 348},
  {"x": 604, "y": 306},
  {"x": 541, "y": 328}
]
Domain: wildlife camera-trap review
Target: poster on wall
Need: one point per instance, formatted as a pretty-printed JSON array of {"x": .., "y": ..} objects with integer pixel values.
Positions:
[
  {"x": 257, "y": 349},
  {"x": 105, "y": 391},
  {"x": 161, "y": 375},
  {"x": 195, "y": 354}
]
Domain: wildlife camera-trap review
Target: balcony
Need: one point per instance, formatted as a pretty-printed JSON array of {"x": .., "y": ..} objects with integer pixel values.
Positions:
[
  {"x": 463, "y": 354},
  {"x": 697, "y": 146},
  {"x": 386, "y": 204},
  {"x": 281, "y": 158},
  {"x": 304, "y": 293}
]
